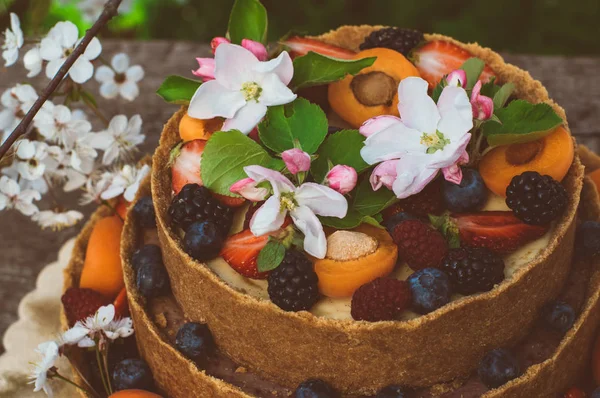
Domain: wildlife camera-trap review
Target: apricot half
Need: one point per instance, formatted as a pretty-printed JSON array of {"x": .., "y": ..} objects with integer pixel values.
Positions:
[
  {"x": 134, "y": 394},
  {"x": 197, "y": 129},
  {"x": 373, "y": 91},
  {"x": 551, "y": 155},
  {"x": 102, "y": 267},
  {"x": 341, "y": 273}
]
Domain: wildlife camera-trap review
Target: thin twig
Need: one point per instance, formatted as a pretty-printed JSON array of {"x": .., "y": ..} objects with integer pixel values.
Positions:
[{"x": 110, "y": 11}]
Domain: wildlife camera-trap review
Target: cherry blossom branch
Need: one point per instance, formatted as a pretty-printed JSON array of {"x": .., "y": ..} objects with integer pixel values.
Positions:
[{"x": 110, "y": 11}]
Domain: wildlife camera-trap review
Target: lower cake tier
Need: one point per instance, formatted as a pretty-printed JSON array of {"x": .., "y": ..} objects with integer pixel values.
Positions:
[{"x": 552, "y": 362}]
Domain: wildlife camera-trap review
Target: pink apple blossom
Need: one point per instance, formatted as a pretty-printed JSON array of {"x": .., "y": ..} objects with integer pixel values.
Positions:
[
  {"x": 457, "y": 78},
  {"x": 341, "y": 178},
  {"x": 384, "y": 174},
  {"x": 483, "y": 107},
  {"x": 206, "y": 70},
  {"x": 454, "y": 173},
  {"x": 247, "y": 188},
  {"x": 296, "y": 160}
]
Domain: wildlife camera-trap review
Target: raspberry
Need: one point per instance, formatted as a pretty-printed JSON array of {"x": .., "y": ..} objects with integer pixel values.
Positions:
[
  {"x": 293, "y": 286},
  {"x": 81, "y": 303},
  {"x": 380, "y": 300},
  {"x": 428, "y": 201},
  {"x": 419, "y": 245},
  {"x": 400, "y": 39},
  {"x": 473, "y": 270},
  {"x": 536, "y": 199},
  {"x": 195, "y": 203}
]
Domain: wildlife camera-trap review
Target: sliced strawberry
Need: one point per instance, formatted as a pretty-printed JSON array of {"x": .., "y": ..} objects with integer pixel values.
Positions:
[
  {"x": 230, "y": 201},
  {"x": 499, "y": 231},
  {"x": 121, "y": 305},
  {"x": 302, "y": 45},
  {"x": 241, "y": 251},
  {"x": 437, "y": 58},
  {"x": 80, "y": 303},
  {"x": 186, "y": 164}
]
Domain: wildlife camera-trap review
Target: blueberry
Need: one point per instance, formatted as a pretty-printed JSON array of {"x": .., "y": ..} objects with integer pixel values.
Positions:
[
  {"x": 315, "y": 388},
  {"x": 430, "y": 289},
  {"x": 203, "y": 240},
  {"x": 396, "y": 219},
  {"x": 147, "y": 254},
  {"x": 559, "y": 316},
  {"x": 144, "y": 212},
  {"x": 469, "y": 195},
  {"x": 132, "y": 374},
  {"x": 195, "y": 341},
  {"x": 588, "y": 237},
  {"x": 497, "y": 367},
  {"x": 596, "y": 393},
  {"x": 152, "y": 280},
  {"x": 392, "y": 391}
]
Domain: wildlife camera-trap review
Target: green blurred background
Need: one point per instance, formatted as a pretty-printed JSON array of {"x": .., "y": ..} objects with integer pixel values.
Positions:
[{"x": 569, "y": 27}]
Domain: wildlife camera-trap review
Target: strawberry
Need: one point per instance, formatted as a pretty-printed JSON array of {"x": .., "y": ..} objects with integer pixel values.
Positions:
[
  {"x": 79, "y": 303},
  {"x": 302, "y": 45},
  {"x": 121, "y": 305},
  {"x": 241, "y": 252},
  {"x": 437, "y": 58},
  {"x": 185, "y": 167},
  {"x": 499, "y": 231}
]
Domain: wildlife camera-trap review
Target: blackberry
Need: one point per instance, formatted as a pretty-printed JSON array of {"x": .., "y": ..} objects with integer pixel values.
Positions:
[
  {"x": 536, "y": 199},
  {"x": 144, "y": 212},
  {"x": 473, "y": 270},
  {"x": 195, "y": 203},
  {"x": 293, "y": 285},
  {"x": 399, "y": 39}
]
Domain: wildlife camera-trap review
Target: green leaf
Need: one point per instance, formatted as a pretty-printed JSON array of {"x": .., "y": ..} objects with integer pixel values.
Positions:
[
  {"x": 178, "y": 89},
  {"x": 502, "y": 95},
  {"x": 520, "y": 122},
  {"x": 437, "y": 90},
  {"x": 448, "y": 228},
  {"x": 473, "y": 68},
  {"x": 352, "y": 220},
  {"x": 342, "y": 147},
  {"x": 368, "y": 202},
  {"x": 490, "y": 89},
  {"x": 248, "y": 20},
  {"x": 270, "y": 256},
  {"x": 300, "y": 120},
  {"x": 225, "y": 156},
  {"x": 315, "y": 69}
]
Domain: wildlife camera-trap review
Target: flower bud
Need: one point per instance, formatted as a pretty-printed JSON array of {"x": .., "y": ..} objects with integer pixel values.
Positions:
[
  {"x": 384, "y": 175},
  {"x": 342, "y": 178},
  {"x": 256, "y": 48},
  {"x": 296, "y": 160}
]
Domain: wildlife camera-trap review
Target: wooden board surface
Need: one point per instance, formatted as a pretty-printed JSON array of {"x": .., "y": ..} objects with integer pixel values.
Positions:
[{"x": 572, "y": 82}]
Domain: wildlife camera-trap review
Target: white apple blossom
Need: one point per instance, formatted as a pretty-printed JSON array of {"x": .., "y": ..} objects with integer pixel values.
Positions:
[
  {"x": 426, "y": 138},
  {"x": 91, "y": 9},
  {"x": 16, "y": 102},
  {"x": 12, "y": 197},
  {"x": 60, "y": 43},
  {"x": 30, "y": 157},
  {"x": 56, "y": 124},
  {"x": 120, "y": 138},
  {"x": 39, "y": 374},
  {"x": 120, "y": 79},
  {"x": 243, "y": 88},
  {"x": 102, "y": 324},
  {"x": 303, "y": 203},
  {"x": 13, "y": 41},
  {"x": 126, "y": 182},
  {"x": 57, "y": 220},
  {"x": 33, "y": 61}
]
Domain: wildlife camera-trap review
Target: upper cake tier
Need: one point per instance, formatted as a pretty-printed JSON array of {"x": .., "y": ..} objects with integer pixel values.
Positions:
[{"x": 257, "y": 330}]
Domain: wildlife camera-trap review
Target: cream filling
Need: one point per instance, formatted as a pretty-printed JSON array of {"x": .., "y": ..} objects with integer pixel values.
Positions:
[{"x": 339, "y": 308}]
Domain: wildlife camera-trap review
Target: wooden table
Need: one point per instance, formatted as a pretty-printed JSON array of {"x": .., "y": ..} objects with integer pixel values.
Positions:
[{"x": 572, "y": 82}]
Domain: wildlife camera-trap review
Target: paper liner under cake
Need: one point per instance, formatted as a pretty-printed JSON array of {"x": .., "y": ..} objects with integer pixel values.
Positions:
[{"x": 361, "y": 357}]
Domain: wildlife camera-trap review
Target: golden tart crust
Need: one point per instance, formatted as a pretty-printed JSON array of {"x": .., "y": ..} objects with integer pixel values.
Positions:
[{"x": 290, "y": 347}]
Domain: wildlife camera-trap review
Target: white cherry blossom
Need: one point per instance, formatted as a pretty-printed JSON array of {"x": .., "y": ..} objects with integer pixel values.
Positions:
[
  {"x": 120, "y": 138},
  {"x": 12, "y": 197},
  {"x": 91, "y": 9},
  {"x": 102, "y": 324},
  {"x": 13, "y": 41},
  {"x": 33, "y": 61},
  {"x": 16, "y": 102},
  {"x": 243, "y": 88},
  {"x": 57, "y": 124},
  {"x": 303, "y": 204},
  {"x": 57, "y": 220},
  {"x": 30, "y": 157},
  {"x": 120, "y": 78},
  {"x": 95, "y": 186},
  {"x": 126, "y": 182},
  {"x": 60, "y": 43},
  {"x": 39, "y": 374}
]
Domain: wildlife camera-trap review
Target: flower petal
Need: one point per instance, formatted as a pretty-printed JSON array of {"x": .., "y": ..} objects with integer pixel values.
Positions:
[
  {"x": 282, "y": 66},
  {"x": 233, "y": 65},
  {"x": 391, "y": 143},
  {"x": 256, "y": 48},
  {"x": 315, "y": 242},
  {"x": 104, "y": 315},
  {"x": 377, "y": 124},
  {"x": 33, "y": 62},
  {"x": 135, "y": 73},
  {"x": 321, "y": 200},
  {"x": 53, "y": 66},
  {"x": 342, "y": 178},
  {"x": 50, "y": 49},
  {"x": 206, "y": 69},
  {"x": 278, "y": 181},
  {"x": 81, "y": 71},
  {"x": 120, "y": 62},
  {"x": 417, "y": 109},
  {"x": 296, "y": 160},
  {"x": 247, "y": 188},
  {"x": 268, "y": 217},
  {"x": 384, "y": 175},
  {"x": 109, "y": 90},
  {"x": 246, "y": 118},
  {"x": 412, "y": 175},
  {"x": 68, "y": 33},
  {"x": 455, "y": 111},
  {"x": 105, "y": 74},
  {"x": 129, "y": 91},
  {"x": 93, "y": 49},
  {"x": 212, "y": 100},
  {"x": 274, "y": 92},
  {"x": 75, "y": 334}
]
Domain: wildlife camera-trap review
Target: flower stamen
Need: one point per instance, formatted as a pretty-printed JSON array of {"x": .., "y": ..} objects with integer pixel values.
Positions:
[
  {"x": 434, "y": 141},
  {"x": 251, "y": 91}
]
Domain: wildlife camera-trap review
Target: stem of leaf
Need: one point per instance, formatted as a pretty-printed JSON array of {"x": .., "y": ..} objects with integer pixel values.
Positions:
[
  {"x": 71, "y": 382},
  {"x": 103, "y": 375},
  {"x": 96, "y": 111}
]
